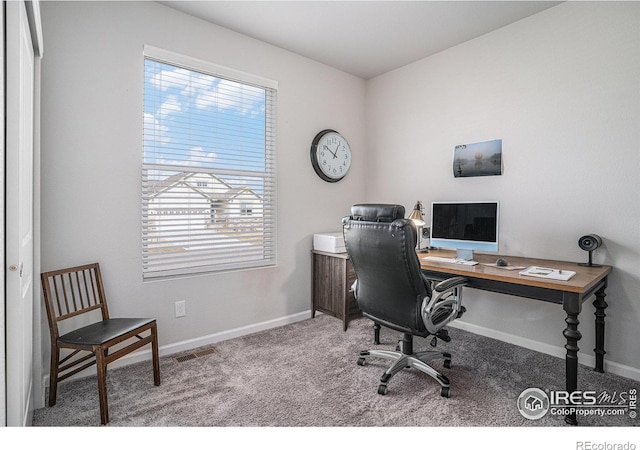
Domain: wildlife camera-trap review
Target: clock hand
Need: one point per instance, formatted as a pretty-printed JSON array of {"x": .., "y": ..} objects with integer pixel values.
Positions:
[{"x": 334, "y": 155}]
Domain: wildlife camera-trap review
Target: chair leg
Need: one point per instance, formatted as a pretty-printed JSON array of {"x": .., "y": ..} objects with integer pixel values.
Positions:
[
  {"x": 154, "y": 354},
  {"x": 101, "y": 368},
  {"x": 53, "y": 375}
]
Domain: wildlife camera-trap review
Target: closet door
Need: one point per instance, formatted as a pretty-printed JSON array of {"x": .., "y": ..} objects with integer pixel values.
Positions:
[{"x": 19, "y": 276}]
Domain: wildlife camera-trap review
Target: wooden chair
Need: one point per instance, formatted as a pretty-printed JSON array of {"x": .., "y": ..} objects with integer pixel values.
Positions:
[{"x": 70, "y": 293}]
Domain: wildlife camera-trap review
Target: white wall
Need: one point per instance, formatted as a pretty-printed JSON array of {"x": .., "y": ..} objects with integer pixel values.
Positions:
[
  {"x": 561, "y": 89},
  {"x": 92, "y": 150}
]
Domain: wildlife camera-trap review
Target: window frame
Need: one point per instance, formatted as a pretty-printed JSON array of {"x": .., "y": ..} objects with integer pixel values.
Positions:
[{"x": 267, "y": 243}]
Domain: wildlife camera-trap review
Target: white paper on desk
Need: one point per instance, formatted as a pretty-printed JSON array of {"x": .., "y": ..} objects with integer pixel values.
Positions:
[{"x": 546, "y": 272}]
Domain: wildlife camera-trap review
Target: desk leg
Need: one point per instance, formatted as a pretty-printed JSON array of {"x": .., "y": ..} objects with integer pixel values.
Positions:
[
  {"x": 572, "y": 335},
  {"x": 600, "y": 305}
]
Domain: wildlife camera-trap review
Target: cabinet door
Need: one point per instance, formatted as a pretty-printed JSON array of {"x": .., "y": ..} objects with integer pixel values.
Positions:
[{"x": 329, "y": 284}]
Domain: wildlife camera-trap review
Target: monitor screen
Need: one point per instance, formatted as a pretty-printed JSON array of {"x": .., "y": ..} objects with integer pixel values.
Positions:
[{"x": 465, "y": 226}]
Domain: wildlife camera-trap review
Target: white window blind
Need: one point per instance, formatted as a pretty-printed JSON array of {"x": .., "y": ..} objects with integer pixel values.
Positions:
[{"x": 208, "y": 173}]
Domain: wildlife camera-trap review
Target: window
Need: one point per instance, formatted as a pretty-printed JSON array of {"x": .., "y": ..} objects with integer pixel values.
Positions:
[{"x": 208, "y": 172}]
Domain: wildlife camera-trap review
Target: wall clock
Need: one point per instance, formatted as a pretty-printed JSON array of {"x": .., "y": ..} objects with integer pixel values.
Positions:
[{"x": 330, "y": 155}]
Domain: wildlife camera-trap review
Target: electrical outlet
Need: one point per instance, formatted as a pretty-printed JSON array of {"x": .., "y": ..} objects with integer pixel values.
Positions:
[{"x": 181, "y": 308}]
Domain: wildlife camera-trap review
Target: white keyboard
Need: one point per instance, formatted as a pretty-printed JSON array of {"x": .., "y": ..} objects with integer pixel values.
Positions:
[{"x": 464, "y": 262}]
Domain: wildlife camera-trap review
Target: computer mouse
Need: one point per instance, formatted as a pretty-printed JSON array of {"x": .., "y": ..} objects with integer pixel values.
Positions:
[{"x": 501, "y": 263}]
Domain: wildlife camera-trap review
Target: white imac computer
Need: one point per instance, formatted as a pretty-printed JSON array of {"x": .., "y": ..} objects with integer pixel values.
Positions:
[{"x": 465, "y": 227}]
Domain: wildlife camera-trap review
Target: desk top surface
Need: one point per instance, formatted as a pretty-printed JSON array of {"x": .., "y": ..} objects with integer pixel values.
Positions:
[{"x": 584, "y": 279}]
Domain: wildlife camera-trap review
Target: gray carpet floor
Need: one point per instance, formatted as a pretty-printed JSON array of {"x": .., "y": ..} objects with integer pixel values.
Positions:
[{"x": 305, "y": 375}]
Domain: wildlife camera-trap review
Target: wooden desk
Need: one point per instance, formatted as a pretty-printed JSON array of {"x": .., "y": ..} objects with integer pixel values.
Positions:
[{"x": 587, "y": 282}]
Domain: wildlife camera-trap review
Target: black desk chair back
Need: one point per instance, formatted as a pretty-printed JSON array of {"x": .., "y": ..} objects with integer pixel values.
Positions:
[
  {"x": 76, "y": 291},
  {"x": 391, "y": 290}
]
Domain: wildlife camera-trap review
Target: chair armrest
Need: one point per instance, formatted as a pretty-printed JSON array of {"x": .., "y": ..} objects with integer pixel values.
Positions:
[
  {"x": 450, "y": 283},
  {"x": 444, "y": 305}
]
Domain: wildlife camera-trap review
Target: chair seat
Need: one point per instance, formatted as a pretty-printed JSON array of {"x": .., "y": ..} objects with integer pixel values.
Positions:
[{"x": 102, "y": 332}]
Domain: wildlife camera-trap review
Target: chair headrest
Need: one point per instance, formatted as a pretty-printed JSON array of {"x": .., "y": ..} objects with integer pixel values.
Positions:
[{"x": 377, "y": 212}]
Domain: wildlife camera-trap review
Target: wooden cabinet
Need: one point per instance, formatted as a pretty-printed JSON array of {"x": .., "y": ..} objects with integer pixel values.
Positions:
[{"x": 332, "y": 278}]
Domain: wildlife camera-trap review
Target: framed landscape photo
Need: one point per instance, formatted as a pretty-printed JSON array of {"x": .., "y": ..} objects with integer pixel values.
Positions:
[{"x": 478, "y": 159}]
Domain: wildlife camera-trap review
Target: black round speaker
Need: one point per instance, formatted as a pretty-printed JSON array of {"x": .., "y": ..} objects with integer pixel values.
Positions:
[{"x": 590, "y": 242}]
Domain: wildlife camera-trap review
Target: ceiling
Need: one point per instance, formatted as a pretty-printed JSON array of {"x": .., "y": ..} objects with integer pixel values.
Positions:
[{"x": 363, "y": 38}]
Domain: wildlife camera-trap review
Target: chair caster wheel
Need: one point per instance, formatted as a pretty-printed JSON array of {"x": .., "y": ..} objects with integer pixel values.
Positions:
[
  {"x": 445, "y": 392},
  {"x": 361, "y": 361},
  {"x": 447, "y": 364},
  {"x": 382, "y": 389}
]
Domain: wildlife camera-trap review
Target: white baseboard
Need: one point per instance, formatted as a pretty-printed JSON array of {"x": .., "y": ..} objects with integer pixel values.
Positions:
[{"x": 584, "y": 358}]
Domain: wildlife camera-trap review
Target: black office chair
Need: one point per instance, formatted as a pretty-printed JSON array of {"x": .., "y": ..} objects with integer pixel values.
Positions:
[{"x": 391, "y": 290}]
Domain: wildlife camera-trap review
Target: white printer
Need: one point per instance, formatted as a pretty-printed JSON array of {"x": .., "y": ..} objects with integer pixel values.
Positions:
[{"x": 329, "y": 242}]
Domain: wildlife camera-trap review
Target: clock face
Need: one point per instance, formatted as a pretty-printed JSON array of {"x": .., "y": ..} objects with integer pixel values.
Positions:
[{"x": 330, "y": 155}]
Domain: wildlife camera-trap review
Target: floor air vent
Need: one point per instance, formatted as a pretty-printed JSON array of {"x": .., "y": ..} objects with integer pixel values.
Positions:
[{"x": 194, "y": 355}]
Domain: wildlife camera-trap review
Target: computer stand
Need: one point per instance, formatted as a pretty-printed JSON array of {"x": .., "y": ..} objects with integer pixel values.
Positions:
[{"x": 464, "y": 254}]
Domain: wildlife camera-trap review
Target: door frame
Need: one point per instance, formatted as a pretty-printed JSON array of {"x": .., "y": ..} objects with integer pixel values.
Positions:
[{"x": 3, "y": 364}]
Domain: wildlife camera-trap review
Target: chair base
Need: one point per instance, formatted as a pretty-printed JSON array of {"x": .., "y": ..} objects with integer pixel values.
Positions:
[{"x": 405, "y": 359}]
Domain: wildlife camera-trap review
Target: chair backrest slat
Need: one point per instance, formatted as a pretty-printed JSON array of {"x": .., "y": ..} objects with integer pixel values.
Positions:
[
  {"x": 57, "y": 296},
  {"x": 86, "y": 285},
  {"x": 73, "y": 289},
  {"x": 95, "y": 282}
]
